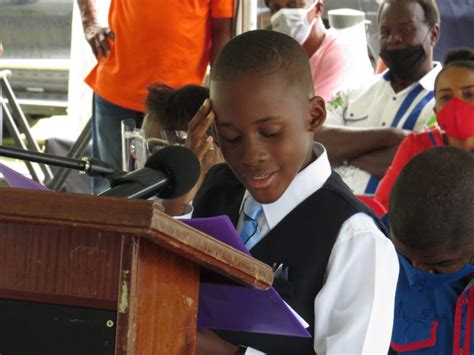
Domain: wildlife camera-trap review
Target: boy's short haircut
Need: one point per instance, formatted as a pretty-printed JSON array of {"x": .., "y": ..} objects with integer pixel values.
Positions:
[
  {"x": 432, "y": 201},
  {"x": 265, "y": 52},
  {"x": 430, "y": 9},
  {"x": 174, "y": 108}
]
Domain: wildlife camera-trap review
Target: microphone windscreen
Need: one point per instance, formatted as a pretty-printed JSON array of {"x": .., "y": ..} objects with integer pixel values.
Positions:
[{"x": 182, "y": 166}]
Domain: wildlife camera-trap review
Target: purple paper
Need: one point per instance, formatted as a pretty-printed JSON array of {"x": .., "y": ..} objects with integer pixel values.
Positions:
[
  {"x": 15, "y": 179},
  {"x": 219, "y": 227},
  {"x": 246, "y": 309},
  {"x": 238, "y": 308}
]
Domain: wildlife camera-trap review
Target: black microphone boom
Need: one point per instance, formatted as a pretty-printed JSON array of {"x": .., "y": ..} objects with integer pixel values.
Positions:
[
  {"x": 169, "y": 173},
  {"x": 89, "y": 166}
]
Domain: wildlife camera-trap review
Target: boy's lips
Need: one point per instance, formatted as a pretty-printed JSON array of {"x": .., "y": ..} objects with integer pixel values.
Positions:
[{"x": 259, "y": 180}]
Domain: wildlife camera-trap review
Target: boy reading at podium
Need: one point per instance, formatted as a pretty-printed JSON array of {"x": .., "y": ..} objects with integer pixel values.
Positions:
[{"x": 335, "y": 267}]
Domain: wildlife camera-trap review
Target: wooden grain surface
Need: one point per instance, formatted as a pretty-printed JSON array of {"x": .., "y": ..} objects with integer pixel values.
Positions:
[{"x": 134, "y": 218}]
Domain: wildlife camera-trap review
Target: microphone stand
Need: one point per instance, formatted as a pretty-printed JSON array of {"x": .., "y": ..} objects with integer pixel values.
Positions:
[{"x": 86, "y": 165}]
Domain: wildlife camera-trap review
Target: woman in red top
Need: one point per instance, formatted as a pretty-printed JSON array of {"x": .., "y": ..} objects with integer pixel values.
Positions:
[{"x": 454, "y": 94}]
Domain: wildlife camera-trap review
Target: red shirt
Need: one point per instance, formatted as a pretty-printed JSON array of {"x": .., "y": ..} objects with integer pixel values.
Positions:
[{"x": 412, "y": 145}]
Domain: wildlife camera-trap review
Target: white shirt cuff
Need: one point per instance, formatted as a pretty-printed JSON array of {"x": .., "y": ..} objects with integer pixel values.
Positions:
[{"x": 251, "y": 351}]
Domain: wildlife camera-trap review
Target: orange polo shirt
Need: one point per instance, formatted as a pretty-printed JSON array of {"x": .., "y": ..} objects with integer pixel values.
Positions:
[{"x": 155, "y": 40}]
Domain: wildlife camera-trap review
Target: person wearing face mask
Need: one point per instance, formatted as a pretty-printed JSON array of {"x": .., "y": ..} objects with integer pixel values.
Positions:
[
  {"x": 431, "y": 215},
  {"x": 330, "y": 68},
  {"x": 366, "y": 124},
  {"x": 454, "y": 94}
]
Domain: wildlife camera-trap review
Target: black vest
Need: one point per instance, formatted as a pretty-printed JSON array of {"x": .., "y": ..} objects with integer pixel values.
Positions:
[{"x": 302, "y": 241}]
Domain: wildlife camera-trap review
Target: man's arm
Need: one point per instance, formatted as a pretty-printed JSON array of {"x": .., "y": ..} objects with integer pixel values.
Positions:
[
  {"x": 349, "y": 143},
  {"x": 377, "y": 162},
  {"x": 96, "y": 35},
  {"x": 221, "y": 31},
  {"x": 354, "y": 310}
]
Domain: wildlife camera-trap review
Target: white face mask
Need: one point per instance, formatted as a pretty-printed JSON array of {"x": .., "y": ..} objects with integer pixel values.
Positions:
[{"x": 293, "y": 22}]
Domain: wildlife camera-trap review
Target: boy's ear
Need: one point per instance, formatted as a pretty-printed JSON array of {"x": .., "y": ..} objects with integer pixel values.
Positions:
[{"x": 317, "y": 113}]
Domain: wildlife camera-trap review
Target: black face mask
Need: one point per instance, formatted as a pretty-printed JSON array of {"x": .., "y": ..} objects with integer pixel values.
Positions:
[{"x": 404, "y": 62}]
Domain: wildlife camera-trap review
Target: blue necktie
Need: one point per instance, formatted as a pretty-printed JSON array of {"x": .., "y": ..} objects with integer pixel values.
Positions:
[{"x": 249, "y": 232}]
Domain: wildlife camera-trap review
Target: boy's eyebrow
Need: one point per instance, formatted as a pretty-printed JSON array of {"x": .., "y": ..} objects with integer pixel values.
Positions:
[{"x": 260, "y": 120}]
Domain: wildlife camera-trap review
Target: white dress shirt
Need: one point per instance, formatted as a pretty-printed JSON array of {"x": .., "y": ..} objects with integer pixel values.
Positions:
[
  {"x": 375, "y": 104},
  {"x": 354, "y": 308}
]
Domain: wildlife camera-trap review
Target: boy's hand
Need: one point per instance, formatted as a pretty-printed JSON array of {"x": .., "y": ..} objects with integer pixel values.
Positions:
[
  {"x": 202, "y": 145},
  {"x": 198, "y": 140},
  {"x": 208, "y": 343},
  {"x": 98, "y": 38}
]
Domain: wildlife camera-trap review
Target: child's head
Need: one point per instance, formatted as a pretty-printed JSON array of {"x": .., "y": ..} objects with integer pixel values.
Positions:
[
  {"x": 171, "y": 109},
  {"x": 432, "y": 210},
  {"x": 266, "y": 113},
  {"x": 454, "y": 94}
]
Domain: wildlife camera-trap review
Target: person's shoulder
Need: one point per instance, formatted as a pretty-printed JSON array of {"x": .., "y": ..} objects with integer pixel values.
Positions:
[
  {"x": 331, "y": 43},
  {"x": 425, "y": 139},
  {"x": 218, "y": 174},
  {"x": 218, "y": 180},
  {"x": 361, "y": 93},
  {"x": 361, "y": 225}
]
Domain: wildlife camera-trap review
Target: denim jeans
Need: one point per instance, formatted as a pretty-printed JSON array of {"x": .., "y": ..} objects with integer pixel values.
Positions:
[{"x": 106, "y": 134}]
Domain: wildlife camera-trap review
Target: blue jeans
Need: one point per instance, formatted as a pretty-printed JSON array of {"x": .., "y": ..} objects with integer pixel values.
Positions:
[{"x": 106, "y": 134}]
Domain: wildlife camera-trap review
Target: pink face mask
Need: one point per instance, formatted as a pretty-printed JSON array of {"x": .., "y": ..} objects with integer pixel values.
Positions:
[{"x": 456, "y": 118}]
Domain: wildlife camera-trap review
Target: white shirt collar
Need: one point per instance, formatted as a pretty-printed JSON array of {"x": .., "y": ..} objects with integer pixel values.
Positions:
[
  {"x": 305, "y": 183},
  {"x": 426, "y": 81},
  {"x": 429, "y": 79}
]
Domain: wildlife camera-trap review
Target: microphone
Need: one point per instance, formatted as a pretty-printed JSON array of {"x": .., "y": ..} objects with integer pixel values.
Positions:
[
  {"x": 168, "y": 173},
  {"x": 90, "y": 166}
]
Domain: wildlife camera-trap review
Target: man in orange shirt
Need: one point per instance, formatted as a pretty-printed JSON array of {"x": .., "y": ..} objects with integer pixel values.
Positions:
[{"x": 148, "y": 41}]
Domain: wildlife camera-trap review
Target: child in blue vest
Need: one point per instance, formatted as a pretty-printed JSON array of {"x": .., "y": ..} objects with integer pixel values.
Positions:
[
  {"x": 336, "y": 268},
  {"x": 432, "y": 226}
]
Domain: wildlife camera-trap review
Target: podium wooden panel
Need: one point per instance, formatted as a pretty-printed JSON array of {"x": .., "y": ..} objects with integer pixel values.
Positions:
[{"x": 118, "y": 255}]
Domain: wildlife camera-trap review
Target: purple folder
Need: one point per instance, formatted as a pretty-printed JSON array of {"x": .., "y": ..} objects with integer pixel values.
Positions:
[
  {"x": 238, "y": 308},
  {"x": 15, "y": 179}
]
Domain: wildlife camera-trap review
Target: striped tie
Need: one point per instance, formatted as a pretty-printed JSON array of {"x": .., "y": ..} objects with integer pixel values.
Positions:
[{"x": 249, "y": 233}]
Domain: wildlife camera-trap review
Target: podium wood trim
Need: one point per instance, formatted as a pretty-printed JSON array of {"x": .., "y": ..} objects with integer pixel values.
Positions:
[
  {"x": 134, "y": 218},
  {"x": 80, "y": 250}
]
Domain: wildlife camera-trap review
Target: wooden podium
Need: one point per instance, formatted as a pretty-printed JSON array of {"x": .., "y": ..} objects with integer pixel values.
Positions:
[{"x": 77, "y": 269}]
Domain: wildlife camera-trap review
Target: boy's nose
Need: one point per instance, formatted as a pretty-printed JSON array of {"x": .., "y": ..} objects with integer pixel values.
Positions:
[{"x": 254, "y": 153}]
